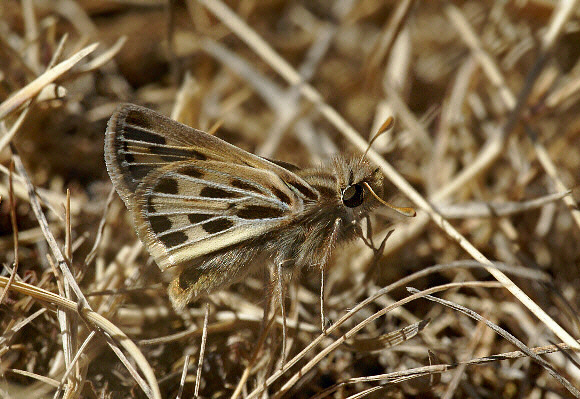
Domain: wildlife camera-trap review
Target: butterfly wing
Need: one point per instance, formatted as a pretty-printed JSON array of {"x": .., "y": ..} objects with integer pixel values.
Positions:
[
  {"x": 188, "y": 209},
  {"x": 190, "y": 193},
  {"x": 139, "y": 140}
]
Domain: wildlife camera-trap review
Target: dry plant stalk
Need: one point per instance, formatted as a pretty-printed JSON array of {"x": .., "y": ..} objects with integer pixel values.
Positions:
[{"x": 486, "y": 144}]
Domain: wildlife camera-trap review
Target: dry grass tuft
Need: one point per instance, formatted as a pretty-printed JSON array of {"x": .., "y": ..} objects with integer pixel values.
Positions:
[{"x": 486, "y": 146}]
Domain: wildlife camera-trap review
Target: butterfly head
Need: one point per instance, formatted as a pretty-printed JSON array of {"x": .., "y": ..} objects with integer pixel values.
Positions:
[
  {"x": 356, "y": 182},
  {"x": 360, "y": 187}
]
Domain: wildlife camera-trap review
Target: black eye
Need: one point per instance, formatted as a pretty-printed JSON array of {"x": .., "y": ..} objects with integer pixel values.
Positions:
[{"x": 352, "y": 196}]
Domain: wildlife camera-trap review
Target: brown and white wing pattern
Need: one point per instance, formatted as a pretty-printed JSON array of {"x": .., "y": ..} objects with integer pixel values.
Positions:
[
  {"x": 139, "y": 140},
  {"x": 189, "y": 209},
  {"x": 192, "y": 194}
]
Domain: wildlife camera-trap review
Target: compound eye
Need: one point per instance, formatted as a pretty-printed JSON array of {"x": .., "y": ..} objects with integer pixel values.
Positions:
[{"x": 353, "y": 195}]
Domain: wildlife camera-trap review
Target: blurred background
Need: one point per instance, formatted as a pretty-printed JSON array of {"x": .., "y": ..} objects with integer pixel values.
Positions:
[{"x": 485, "y": 96}]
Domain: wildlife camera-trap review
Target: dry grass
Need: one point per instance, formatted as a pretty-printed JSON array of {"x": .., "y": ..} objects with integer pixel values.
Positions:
[{"x": 486, "y": 146}]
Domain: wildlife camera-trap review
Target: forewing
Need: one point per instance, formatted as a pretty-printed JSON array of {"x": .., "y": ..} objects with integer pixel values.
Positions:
[
  {"x": 192, "y": 208},
  {"x": 139, "y": 141}
]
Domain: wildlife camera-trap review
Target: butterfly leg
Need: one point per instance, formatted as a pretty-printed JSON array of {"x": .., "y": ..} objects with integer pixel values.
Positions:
[
  {"x": 281, "y": 273},
  {"x": 322, "y": 318},
  {"x": 267, "y": 301},
  {"x": 330, "y": 244},
  {"x": 280, "y": 290}
]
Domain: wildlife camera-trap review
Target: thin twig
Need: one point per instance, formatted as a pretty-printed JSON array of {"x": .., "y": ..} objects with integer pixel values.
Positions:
[
  {"x": 34, "y": 87},
  {"x": 151, "y": 390},
  {"x": 524, "y": 348},
  {"x": 183, "y": 377},
  {"x": 14, "y": 234}
]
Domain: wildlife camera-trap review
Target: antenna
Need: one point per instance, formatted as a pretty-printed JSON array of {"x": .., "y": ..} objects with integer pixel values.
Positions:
[
  {"x": 382, "y": 130},
  {"x": 405, "y": 211}
]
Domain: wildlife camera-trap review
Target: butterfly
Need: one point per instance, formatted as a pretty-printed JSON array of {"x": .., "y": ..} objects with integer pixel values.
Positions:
[{"x": 215, "y": 213}]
